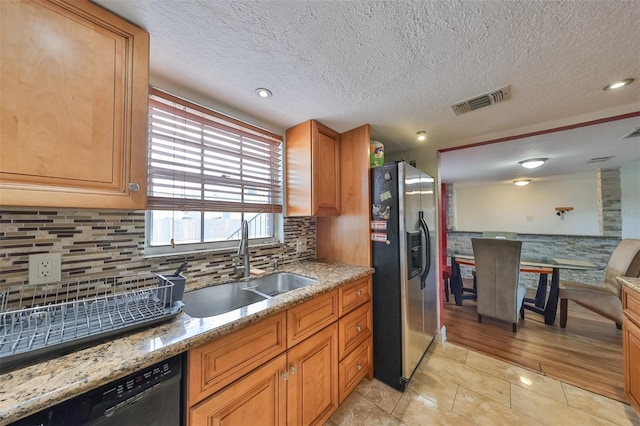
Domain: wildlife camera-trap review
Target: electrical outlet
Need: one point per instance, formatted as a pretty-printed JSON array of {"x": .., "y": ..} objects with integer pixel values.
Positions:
[
  {"x": 45, "y": 268},
  {"x": 301, "y": 245}
]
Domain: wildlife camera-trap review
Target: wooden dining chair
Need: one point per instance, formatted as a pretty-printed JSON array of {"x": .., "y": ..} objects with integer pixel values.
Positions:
[
  {"x": 604, "y": 299},
  {"x": 499, "y": 293}
]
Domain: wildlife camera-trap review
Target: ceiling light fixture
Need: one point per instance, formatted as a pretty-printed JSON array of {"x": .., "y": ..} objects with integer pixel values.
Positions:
[
  {"x": 522, "y": 182},
  {"x": 532, "y": 163},
  {"x": 263, "y": 93},
  {"x": 422, "y": 135},
  {"x": 618, "y": 84}
]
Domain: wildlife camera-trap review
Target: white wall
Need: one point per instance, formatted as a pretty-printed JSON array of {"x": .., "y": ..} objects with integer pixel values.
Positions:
[
  {"x": 630, "y": 207},
  {"x": 529, "y": 209}
]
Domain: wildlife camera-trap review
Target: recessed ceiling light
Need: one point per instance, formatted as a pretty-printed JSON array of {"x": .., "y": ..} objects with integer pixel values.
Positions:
[
  {"x": 618, "y": 84},
  {"x": 522, "y": 182},
  {"x": 263, "y": 93},
  {"x": 422, "y": 135},
  {"x": 532, "y": 163}
]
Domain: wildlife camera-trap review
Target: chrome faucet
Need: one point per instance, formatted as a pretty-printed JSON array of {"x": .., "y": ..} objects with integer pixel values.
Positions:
[{"x": 243, "y": 252}]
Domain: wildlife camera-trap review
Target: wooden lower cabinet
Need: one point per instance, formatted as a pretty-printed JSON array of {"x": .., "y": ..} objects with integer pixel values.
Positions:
[
  {"x": 631, "y": 346},
  {"x": 297, "y": 388},
  {"x": 258, "y": 398},
  {"x": 312, "y": 384},
  {"x": 247, "y": 378},
  {"x": 631, "y": 337}
]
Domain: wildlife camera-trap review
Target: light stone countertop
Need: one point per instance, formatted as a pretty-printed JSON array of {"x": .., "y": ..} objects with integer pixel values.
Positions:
[
  {"x": 30, "y": 389},
  {"x": 629, "y": 282}
]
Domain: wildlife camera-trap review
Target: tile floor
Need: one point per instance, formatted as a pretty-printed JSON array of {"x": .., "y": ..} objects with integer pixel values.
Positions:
[{"x": 456, "y": 386}]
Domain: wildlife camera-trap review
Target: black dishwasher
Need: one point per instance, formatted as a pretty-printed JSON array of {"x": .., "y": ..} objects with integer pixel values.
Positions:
[{"x": 152, "y": 396}]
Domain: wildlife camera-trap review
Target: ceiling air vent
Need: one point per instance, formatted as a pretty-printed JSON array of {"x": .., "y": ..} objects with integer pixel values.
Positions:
[
  {"x": 599, "y": 159},
  {"x": 634, "y": 133},
  {"x": 482, "y": 101}
]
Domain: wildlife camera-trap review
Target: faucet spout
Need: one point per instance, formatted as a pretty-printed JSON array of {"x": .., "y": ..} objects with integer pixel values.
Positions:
[{"x": 243, "y": 250}]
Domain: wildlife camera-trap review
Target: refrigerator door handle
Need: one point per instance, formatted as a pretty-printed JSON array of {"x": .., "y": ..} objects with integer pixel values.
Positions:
[{"x": 425, "y": 270}]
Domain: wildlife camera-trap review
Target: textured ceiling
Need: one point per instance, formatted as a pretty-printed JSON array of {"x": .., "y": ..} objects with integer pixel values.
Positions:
[{"x": 397, "y": 65}]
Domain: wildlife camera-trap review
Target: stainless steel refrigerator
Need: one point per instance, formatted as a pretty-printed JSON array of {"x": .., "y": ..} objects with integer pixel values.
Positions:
[{"x": 405, "y": 318}]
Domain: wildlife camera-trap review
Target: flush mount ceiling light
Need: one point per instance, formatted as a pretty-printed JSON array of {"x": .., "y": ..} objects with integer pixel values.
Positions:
[
  {"x": 522, "y": 182},
  {"x": 532, "y": 163},
  {"x": 422, "y": 135},
  {"x": 263, "y": 93},
  {"x": 618, "y": 84}
]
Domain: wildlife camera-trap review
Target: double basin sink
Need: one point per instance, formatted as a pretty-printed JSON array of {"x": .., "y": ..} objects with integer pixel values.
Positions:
[{"x": 216, "y": 300}]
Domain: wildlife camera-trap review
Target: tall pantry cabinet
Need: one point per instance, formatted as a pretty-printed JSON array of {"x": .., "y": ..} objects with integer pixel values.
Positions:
[{"x": 73, "y": 106}]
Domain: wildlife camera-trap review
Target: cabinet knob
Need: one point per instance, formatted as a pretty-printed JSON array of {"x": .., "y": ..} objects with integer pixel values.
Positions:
[
  {"x": 359, "y": 293},
  {"x": 359, "y": 366},
  {"x": 285, "y": 376},
  {"x": 359, "y": 328},
  {"x": 134, "y": 186},
  {"x": 292, "y": 370}
]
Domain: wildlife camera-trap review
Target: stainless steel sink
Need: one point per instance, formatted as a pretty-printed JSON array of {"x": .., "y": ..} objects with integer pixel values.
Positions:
[
  {"x": 216, "y": 300},
  {"x": 281, "y": 282}
]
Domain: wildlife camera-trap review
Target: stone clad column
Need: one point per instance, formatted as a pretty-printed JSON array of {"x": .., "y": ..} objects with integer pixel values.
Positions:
[{"x": 609, "y": 201}]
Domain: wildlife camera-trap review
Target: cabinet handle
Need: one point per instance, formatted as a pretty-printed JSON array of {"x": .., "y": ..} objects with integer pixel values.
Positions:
[
  {"x": 359, "y": 293},
  {"x": 359, "y": 328},
  {"x": 292, "y": 370},
  {"x": 134, "y": 187},
  {"x": 285, "y": 376},
  {"x": 359, "y": 366}
]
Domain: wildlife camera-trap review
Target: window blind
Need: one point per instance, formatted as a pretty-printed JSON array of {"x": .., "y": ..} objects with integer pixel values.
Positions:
[{"x": 203, "y": 160}]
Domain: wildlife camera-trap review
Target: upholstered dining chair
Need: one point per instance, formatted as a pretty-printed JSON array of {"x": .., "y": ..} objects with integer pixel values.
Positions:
[
  {"x": 499, "y": 294},
  {"x": 604, "y": 299}
]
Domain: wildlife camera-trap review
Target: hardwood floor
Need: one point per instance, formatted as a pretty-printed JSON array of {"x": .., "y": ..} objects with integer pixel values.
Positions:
[{"x": 587, "y": 353}]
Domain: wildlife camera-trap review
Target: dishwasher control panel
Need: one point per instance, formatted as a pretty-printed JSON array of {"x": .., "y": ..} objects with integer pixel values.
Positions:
[{"x": 134, "y": 387}]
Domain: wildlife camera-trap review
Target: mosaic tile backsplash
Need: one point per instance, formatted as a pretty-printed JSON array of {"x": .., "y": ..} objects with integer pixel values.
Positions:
[{"x": 111, "y": 243}]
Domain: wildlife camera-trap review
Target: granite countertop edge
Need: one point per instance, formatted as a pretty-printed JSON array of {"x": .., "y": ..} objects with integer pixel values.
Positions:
[
  {"x": 33, "y": 388},
  {"x": 631, "y": 283}
]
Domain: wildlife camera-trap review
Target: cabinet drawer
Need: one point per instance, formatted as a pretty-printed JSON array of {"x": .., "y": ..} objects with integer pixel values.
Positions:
[
  {"x": 312, "y": 316},
  {"x": 354, "y": 368},
  {"x": 214, "y": 365},
  {"x": 631, "y": 305},
  {"x": 354, "y": 294},
  {"x": 354, "y": 328}
]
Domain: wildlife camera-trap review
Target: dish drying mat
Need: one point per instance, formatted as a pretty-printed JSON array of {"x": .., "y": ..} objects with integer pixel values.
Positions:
[{"x": 47, "y": 320}]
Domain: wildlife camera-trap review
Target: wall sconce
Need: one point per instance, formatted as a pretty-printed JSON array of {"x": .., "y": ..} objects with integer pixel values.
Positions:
[{"x": 560, "y": 211}]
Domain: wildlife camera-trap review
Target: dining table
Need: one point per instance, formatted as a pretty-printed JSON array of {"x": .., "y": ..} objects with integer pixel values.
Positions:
[{"x": 543, "y": 303}]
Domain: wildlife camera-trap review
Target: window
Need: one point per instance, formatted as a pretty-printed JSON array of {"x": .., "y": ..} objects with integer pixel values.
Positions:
[{"x": 206, "y": 173}]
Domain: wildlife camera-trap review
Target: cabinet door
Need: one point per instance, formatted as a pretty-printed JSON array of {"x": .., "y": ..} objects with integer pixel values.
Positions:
[
  {"x": 258, "y": 398},
  {"x": 74, "y": 106},
  {"x": 326, "y": 170},
  {"x": 313, "y": 170},
  {"x": 312, "y": 383},
  {"x": 631, "y": 345}
]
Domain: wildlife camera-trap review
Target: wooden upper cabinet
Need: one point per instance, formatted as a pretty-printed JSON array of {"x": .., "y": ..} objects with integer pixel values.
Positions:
[
  {"x": 313, "y": 170},
  {"x": 73, "y": 106}
]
